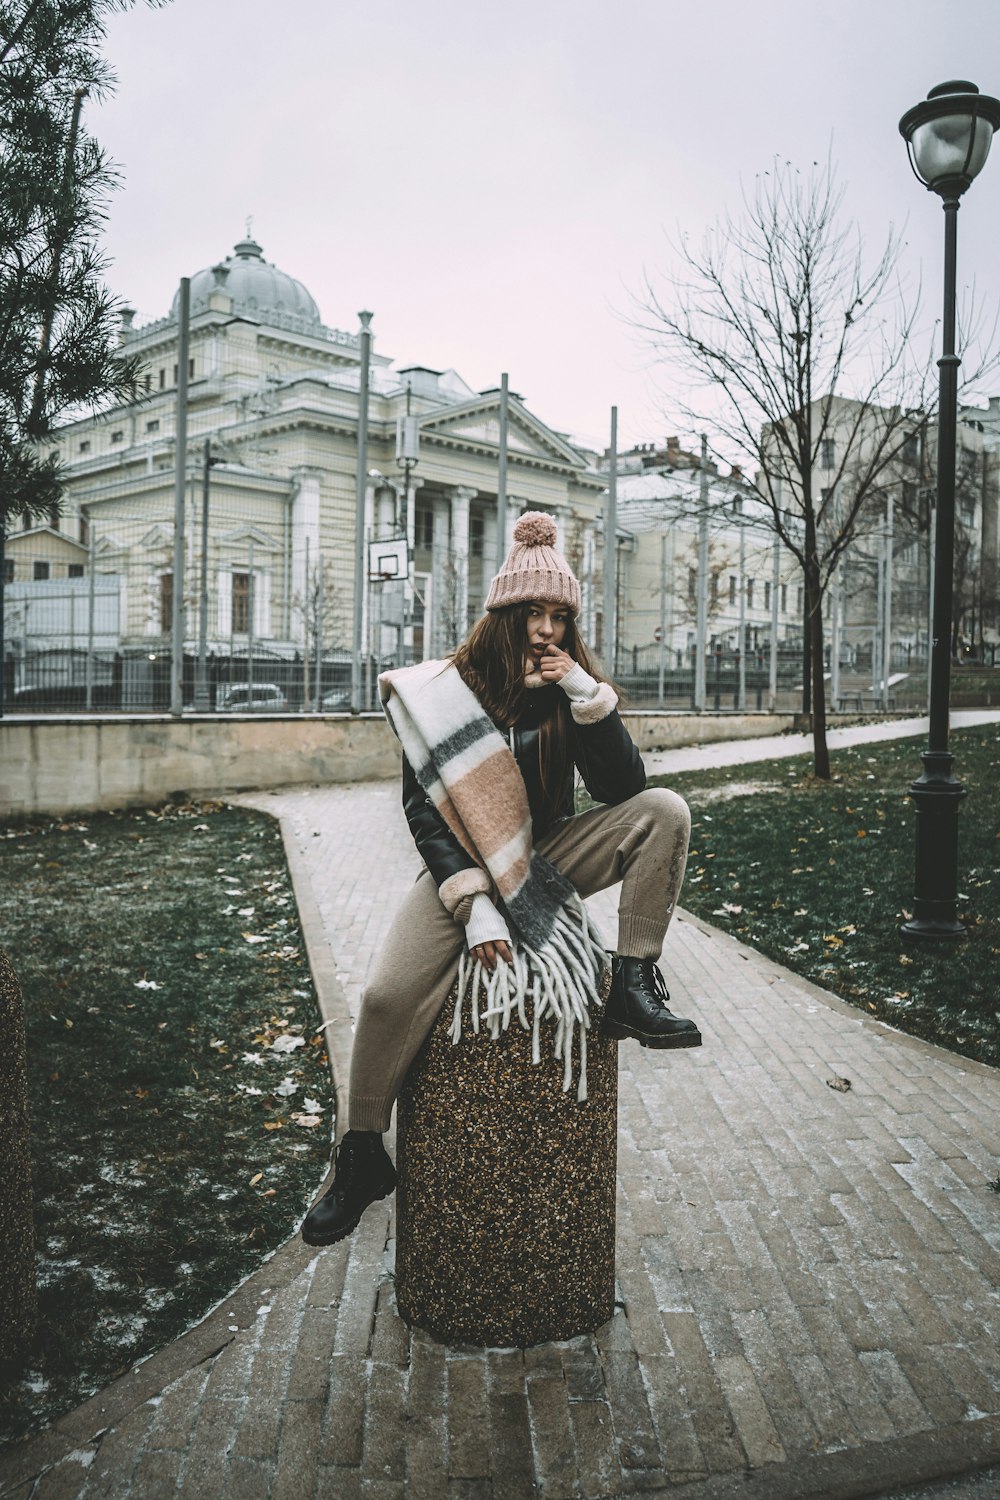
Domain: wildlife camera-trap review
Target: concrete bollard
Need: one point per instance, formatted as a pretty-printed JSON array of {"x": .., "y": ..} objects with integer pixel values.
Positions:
[
  {"x": 17, "y": 1239},
  {"x": 505, "y": 1205}
]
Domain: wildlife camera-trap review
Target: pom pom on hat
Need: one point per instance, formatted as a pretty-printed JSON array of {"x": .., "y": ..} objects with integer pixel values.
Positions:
[
  {"x": 533, "y": 568},
  {"x": 536, "y": 528}
]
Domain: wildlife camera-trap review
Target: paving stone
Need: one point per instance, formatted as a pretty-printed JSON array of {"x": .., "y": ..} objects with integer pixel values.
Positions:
[
  {"x": 827, "y": 1412},
  {"x": 754, "y": 1426},
  {"x": 426, "y": 1457},
  {"x": 468, "y": 1420},
  {"x": 361, "y": 1283},
  {"x": 65, "y": 1480},
  {"x": 553, "y": 1441},
  {"x": 334, "y": 1483},
  {"x": 390, "y": 1343},
  {"x": 206, "y": 1463},
  {"x": 260, "y": 1418},
  {"x": 229, "y": 1373},
  {"x": 298, "y": 1447},
  {"x": 896, "y": 1394},
  {"x": 426, "y": 1388},
  {"x": 677, "y": 1440},
  {"x": 384, "y": 1458},
  {"x": 157, "y": 1474},
  {"x": 248, "y": 1479},
  {"x": 118, "y": 1452},
  {"x": 633, "y": 1425},
  {"x": 596, "y": 1449},
  {"x": 343, "y": 1434},
  {"x": 176, "y": 1411},
  {"x": 310, "y": 1371}
]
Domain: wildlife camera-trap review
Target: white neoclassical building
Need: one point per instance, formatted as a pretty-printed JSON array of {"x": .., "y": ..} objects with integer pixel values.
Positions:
[{"x": 273, "y": 405}]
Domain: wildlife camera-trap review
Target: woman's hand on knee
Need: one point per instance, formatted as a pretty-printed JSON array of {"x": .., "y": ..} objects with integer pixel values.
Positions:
[{"x": 489, "y": 953}]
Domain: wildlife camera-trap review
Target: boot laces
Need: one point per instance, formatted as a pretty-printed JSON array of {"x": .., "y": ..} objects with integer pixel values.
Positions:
[
  {"x": 348, "y": 1157},
  {"x": 652, "y": 981}
]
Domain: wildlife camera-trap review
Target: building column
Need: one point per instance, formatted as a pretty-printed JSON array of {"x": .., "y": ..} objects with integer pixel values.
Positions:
[
  {"x": 410, "y": 488},
  {"x": 437, "y": 629},
  {"x": 587, "y": 584},
  {"x": 304, "y": 529},
  {"x": 461, "y": 497}
]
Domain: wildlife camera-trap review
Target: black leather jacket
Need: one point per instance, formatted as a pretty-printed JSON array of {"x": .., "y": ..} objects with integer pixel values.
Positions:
[{"x": 604, "y": 754}]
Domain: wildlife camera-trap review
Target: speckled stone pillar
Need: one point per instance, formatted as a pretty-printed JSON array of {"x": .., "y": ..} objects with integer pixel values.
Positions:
[
  {"x": 17, "y": 1240},
  {"x": 505, "y": 1207}
]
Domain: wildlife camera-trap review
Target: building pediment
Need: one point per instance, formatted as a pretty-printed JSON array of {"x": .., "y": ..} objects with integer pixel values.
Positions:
[
  {"x": 109, "y": 543},
  {"x": 33, "y": 533},
  {"x": 157, "y": 536},
  {"x": 476, "y": 424},
  {"x": 242, "y": 536}
]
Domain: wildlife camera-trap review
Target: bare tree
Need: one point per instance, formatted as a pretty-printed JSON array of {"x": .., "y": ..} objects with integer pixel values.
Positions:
[{"x": 797, "y": 353}]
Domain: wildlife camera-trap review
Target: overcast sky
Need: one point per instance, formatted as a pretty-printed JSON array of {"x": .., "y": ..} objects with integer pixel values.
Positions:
[{"x": 493, "y": 179}]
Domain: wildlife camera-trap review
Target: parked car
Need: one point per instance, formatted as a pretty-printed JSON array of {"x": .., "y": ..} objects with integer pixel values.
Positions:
[
  {"x": 237, "y": 698},
  {"x": 337, "y": 702}
]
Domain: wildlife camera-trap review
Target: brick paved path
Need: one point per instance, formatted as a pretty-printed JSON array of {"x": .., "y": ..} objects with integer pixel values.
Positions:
[{"x": 809, "y": 1279}]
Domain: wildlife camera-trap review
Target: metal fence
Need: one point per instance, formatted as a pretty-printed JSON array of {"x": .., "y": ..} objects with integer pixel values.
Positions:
[{"x": 86, "y": 629}]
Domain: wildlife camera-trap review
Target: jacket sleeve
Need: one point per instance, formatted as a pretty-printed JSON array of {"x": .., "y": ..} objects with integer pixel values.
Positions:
[
  {"x": 454, "y": 871},
  {"x": 605, "y": 753}
]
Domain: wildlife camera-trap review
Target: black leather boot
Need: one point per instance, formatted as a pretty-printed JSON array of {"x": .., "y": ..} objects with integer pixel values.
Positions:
[
  {"x": 364, "y": 1173},
  {"x": 637, "y": 1007}
]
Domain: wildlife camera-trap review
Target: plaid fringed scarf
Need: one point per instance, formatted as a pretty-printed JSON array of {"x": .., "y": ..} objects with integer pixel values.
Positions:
[{"x": 464, "y": 765}]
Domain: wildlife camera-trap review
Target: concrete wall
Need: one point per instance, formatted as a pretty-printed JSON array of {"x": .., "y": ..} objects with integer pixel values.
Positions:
[{"x": 80, "y": 764}]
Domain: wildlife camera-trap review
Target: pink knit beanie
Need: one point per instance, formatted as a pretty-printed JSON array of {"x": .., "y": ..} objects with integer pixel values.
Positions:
[{"x": 533, "y": 568}]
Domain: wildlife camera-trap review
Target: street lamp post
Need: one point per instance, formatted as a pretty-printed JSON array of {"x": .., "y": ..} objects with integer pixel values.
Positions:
[{"x": 948, "y": 137}]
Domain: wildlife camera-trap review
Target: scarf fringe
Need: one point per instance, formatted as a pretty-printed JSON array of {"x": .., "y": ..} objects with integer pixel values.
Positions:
[{"x": 557, "y": 983}]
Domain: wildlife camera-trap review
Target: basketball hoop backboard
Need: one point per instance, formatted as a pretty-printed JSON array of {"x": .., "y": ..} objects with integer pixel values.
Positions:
[{"x": 387, "y": 560}]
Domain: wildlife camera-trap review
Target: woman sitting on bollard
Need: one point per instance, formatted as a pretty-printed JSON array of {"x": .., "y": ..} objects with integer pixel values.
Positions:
[{"x": 490, "y": 740}]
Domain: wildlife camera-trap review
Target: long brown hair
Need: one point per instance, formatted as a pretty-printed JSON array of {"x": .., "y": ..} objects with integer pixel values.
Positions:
[{"x": 491, "y": 661}]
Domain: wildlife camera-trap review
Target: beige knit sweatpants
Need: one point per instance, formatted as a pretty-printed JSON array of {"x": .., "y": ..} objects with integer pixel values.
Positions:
[{"x": 642, "y": 842}]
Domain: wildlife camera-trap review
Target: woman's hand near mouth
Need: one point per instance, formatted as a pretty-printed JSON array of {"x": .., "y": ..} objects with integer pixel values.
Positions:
[{"x": 554, "y": 664}]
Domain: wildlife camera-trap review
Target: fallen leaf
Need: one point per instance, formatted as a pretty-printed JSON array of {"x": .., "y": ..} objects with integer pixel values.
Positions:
[
  {"x": 273, "y": 1124},
  {"x": 840, "y": 1084},
  {"x": 308, "y": 1121},
  {"x": 287, "y": 1043},
  {"x": 254, "y": 1180}
]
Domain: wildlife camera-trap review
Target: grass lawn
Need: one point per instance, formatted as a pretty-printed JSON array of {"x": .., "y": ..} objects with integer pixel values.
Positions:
[
  {"x": 179, "y": 1090},
  {"x": 819, "y": 876}
]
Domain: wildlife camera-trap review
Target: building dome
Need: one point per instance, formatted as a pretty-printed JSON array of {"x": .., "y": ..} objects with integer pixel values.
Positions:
[{"x": 258, "y": 290}]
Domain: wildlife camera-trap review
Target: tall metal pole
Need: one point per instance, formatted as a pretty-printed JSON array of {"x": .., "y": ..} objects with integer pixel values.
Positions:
[
  {"x": 320, "y": 608},
  {"x": 91, "y": 559},
  {"x": 936, "y": 793},
  {"x": 877, "y": 648},
  {"x": 663, "y": 618},
  {"x": 359, "y": 510},
  {"x": 3, "y": 630},
  {"x": 772, "y": 689},
  {"x": 701, "y": 618},
  {"x": 201, "y": 699},
  {"x": 180, "y": 486},
  {"x": 932, "y": 522},
  {"x": 835, "y": 639},
  {"x": 306, "y": 611},
  {"x": 741, "y": 697},
  {"x": 502, "y": 473},
  {"x": 251, "y": 605},
  {"x": 887, "y": 607},
  {"x": 610, "y": 551}
]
